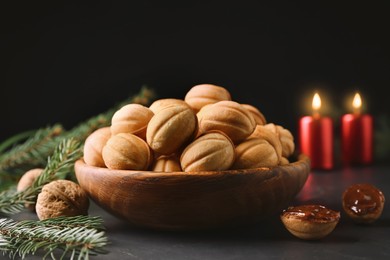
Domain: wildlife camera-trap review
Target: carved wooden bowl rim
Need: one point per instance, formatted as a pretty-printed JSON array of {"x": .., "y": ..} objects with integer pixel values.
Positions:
[
  {"x": 301, "y": 159},
  {"x": 157, "y": 200}
]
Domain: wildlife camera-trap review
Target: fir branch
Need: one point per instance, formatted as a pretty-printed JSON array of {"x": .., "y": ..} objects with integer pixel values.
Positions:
[
  {"x": 7, "y": 180},
  {"x": 83, "y": 130},
  {"x": 73, "y": 222},
  {"x": 30, "y": 152},
  {"x": 75, "y": 236},
  {"x": 58, "y": 165},
  {"x": 34, "y": 152},
  {"x": 16, "y": 139}
]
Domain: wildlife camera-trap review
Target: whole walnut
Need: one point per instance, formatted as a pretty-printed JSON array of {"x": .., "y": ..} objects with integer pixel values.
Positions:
[
  {"x": 285, "y": 137},
  {"x": 93, "y": 146},
  {"x": 257, "y": 115},
  {"x": 61, "y": 198},
  {"x": 228, "y": 117},
  {"x": 204, "y": 94},
  {"x": 159, "y": 104},
  {"x": 127, "y": 152},
  {"x": 132, "y": 119},
  {"x": 171, "y": 128},
  {"x": 26, "y": 181},
  {"x": 213, "y": 151},
  {"x": 166, "y": 163},
  {"x": 271, "y": 137},
  {"x": 255, "y": 153}
]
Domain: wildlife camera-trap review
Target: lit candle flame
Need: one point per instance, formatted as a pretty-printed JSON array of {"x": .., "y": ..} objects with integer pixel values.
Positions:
[
  {"x": 316, "y": 104},
  {"x": 357, "y": 103}
]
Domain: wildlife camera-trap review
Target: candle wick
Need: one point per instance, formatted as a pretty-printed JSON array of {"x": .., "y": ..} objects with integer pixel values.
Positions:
[
  {"x": 357, "y": 111},
  {"x": 316, "y": 114}
]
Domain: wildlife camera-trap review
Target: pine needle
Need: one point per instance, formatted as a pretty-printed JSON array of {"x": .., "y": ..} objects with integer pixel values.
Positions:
[
  {"x": 79, "y": 236},
  {"x": 58, "y": 165}
]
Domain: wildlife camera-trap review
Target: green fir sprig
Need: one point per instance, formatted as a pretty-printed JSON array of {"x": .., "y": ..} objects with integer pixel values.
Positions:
[
  {"x": 73, "y": 222},
  {"x": 72, "y": 237},
  {"x": 18, "y": 138},
  {"x": 34, "y": 151},
  {"x": 84, "y": 129},
  {"x": 59, "y": 164},
  {"x": 78, "y": 237},
  {"x": 30, "y": 152}
]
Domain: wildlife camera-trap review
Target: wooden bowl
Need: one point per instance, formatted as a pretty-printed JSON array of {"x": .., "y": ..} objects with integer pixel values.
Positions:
[{"x": 191, "y": 201}]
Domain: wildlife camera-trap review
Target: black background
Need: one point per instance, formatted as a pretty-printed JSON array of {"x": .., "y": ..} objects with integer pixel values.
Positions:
[{"x": 66, "y": 62}]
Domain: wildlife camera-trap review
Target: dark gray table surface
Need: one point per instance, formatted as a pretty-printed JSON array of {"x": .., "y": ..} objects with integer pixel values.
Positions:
[{"x": 268, "y": 240}]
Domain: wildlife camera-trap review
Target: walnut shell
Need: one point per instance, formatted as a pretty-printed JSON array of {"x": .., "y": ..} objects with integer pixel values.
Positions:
[
  {"x": 61, "y": 198},
  {"x": 93, "y": 146},
  {"x": 228, "y": 117},
  {"x": 203, "y": 94},
  {"x": 271, "y": 137},
  {"x": 213, "y": 151},
  {"x": 285, "y": 137},
  {"x": 159, "y": 104},
  {"x": 171, "y": 128},
  {"x": 132, "y": 119},
  {"x": 167, "y": 164},
  {"x": 127, "y": 152},
  {"x": 257, "y": 115},
  {"x": 255, "y": 153},
  {"x": 26, "y": 181}
]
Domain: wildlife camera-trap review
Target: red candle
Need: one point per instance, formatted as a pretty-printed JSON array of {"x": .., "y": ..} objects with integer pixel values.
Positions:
[
  {"x": 357, "y": 136},
  {"x": 316, "y": 137}
]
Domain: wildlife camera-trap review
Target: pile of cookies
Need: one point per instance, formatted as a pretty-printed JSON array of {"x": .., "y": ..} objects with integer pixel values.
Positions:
[{"x": 205, "y": 131}]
